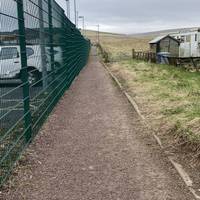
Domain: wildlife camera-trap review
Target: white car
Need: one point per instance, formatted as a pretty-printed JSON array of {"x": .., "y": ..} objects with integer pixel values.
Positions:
[{"x": 10, "y": 61}]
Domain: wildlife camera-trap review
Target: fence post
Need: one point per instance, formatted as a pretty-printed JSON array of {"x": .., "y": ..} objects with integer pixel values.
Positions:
[
  {"x": 133, "y": 53},
  {"x": 24, "y": 70},
  {"x": 42, "y": 44},
  {"x": 62, "y": 43},
  {"x": 52, "y": 59}
]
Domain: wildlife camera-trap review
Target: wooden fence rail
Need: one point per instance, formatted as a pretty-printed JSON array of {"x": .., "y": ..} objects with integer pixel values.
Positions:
[
  {"x": 146, "y": 56},
  {"x": 187, "y": 62}
]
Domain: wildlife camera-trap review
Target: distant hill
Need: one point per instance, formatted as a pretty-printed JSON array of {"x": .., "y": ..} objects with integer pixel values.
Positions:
[
  {"x": 93, "y": 33},
  {"x": 164, "y": 32},
  {"x": 153, "y": 34}
]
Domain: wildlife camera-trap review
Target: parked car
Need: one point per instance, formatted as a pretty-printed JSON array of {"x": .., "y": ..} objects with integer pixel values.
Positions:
[{"x": 10, "y": 62}]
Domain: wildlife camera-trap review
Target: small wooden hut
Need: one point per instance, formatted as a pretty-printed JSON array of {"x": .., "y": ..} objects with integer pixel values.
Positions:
[{"x": 165, "y": 44}]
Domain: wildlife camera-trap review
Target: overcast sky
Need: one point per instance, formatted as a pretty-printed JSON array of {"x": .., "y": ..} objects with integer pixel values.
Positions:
[{"x": 133, "y": 16}]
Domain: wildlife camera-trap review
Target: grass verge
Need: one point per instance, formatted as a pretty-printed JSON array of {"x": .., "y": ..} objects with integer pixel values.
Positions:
[{"x": 166, "y": 94}]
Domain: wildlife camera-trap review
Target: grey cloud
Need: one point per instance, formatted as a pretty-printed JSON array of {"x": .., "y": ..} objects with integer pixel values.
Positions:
[{"x": 153, "y": 14}]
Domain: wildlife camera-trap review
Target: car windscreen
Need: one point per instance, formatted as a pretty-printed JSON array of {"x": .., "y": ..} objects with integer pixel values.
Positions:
[{"x": 8, "y": 53}]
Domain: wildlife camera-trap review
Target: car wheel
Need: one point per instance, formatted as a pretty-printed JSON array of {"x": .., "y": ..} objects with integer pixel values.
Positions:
[
  {"x": 57, "y": 67},
  {"x": 33, "y": 77}
]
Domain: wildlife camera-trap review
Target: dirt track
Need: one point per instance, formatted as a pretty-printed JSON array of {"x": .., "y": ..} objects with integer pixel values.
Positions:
[{"x": 94, "y": 147}]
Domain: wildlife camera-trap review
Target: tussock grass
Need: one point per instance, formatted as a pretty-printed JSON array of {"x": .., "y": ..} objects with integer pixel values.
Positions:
[
  {"x": 121, "y": 48},
  {"x": 164, "y": 93}
]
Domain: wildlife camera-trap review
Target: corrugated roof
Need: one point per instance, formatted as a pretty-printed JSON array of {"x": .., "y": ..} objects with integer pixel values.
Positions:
[{"x": 156, "y": 40}]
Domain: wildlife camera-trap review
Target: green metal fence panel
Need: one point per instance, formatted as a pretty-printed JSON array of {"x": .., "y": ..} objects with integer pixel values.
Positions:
[{"x": 41, "y": 52}]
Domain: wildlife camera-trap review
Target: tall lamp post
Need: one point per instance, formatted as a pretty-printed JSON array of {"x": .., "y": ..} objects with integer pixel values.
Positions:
[
  {"x": 75, "y": 13},
  {"x": 68, "y": 8},
  {"x": 83, "y": 21}
]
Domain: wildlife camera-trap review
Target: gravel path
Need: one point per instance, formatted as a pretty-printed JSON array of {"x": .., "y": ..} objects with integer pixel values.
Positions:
[{"x": 94, "y": 147}]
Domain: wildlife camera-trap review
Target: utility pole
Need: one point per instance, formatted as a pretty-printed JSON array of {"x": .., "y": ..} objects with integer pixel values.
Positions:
[
  {"x": 68, "y": 8},
  {"x": 98, "y": 33}
]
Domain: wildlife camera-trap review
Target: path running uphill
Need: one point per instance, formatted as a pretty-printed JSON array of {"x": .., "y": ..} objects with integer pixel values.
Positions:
[{"x": 94, "y": 147}]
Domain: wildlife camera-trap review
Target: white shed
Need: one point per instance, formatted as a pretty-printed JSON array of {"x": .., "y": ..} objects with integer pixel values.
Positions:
[{"x": 189, "y": 43}]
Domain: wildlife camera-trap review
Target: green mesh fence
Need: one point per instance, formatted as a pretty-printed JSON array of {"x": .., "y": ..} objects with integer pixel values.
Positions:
[{"x": 41, "y": 52}]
